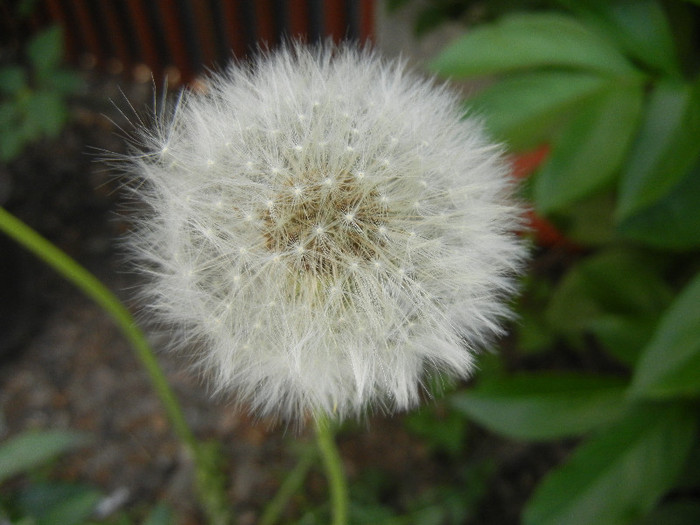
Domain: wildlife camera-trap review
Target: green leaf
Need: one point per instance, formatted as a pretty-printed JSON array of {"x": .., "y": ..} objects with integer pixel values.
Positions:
[
  {"x": 618, "y": 476},
  {"x": 666, "y": 148},
  {"x": 63, "y": 81},
  {"x": 543, "y": 406},
  {"x": 588, "y": 153},
  {"x": 523, "y": 41},
  {"x": 11, "y": 141},
  {"x": 12, "y": 79},
  {"x": 54, "y": 503},
  {"x": 614, "y": 286},
  {"x": 672, "y": 222},
  {"x": 674, "y": 513},
  {"x": 30, "y": 449},
  {"x": 45, "y": 50},
  {"x": 46, "y": 113},
  {"x": 670, "y": 364},
  {"x": 590, "y": 221},
  {"x": 440, "y": 429},
  {"x": 640, "y": 27},
  {"x": 624, "y": 336},
  {"x": 523, "y": 109}
]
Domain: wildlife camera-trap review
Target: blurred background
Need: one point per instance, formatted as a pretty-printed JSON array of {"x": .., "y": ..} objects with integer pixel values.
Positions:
[{"x": 599, "y": 105}]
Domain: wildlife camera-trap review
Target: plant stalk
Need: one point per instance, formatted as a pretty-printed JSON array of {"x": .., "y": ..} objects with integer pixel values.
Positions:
[{"x": 333, "y": 465}]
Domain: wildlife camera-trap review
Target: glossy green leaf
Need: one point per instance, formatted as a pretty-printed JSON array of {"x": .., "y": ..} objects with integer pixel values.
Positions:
[
  {"x": 673, "y": 221},
  {"x": 609, "y": 294},
  {"x": 666, "y": 148},
  {"x": 588, "y": 153},
  {"x": 523, "y": 41},
  {"x": 617, "y": 476},
  {"x": 30, "y": 449},
  {"x": 523, "y": 109},
  {"x": 45, "y": 50},
  {"x": 543, "y": 406},
  {"x": 670, "y": 364},
  {"x": 640, "y": 27}
]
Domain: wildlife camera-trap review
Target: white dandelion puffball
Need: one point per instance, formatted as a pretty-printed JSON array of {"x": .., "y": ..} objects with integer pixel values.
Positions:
[{"x": 324, "y": 228}]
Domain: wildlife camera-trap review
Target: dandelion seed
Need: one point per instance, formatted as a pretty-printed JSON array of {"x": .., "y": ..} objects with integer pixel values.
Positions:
[{"x": 339, "y": 324}]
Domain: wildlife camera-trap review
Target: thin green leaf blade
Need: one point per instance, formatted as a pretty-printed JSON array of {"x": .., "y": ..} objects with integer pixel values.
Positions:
[
  {"x": 543, "y": 406},
  {"x": 670, "y": 364},
  {"x": 590, "y": 150},
  {"x": 30, "y": 449},
  {"x": 666, "y": 148},
  {"x": 522, "y": 41},
  {"x": 618, "y": 476},
  {"x": 522, "y": 110}
]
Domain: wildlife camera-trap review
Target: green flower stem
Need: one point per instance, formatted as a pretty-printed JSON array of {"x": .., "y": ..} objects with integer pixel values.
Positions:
[
  {"x": 288, "y": 488},
  {"x": 94, "y": 289},
  {"x": 334, "y": 470}
]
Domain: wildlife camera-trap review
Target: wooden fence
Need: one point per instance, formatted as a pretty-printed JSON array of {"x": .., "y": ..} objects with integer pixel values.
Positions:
[{"x": 185, "y": 37}]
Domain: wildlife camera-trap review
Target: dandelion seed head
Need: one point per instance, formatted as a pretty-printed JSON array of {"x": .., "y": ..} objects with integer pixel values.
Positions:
[{"x": 356, "y": 234}]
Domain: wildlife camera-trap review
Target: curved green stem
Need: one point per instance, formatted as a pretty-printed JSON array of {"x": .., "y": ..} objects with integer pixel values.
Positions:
[
  {"x": 334, "y": 470},
  {"x": 94, "y": 289},
  {"x": 288, "y": 488}
]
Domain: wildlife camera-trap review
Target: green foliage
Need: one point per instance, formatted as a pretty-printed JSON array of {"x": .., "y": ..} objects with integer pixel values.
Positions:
[
  {"x": 614, "y": 90},
  {"x": 33, "y": 97},
  {"x": 543, "y": 406},
  {"x": 670, "y": 364},
  {"x": 443, "y": 430},
  {"x": 526, "y": 41},
  {"x": 51, "y": 503},
  {"x": 30, "y": 449},
  {"x": 48, "y": 502},
  {"x": 617, "y": 476},
  {"x": 618, "y": 295},
  {"x": 589, "y": 150}
]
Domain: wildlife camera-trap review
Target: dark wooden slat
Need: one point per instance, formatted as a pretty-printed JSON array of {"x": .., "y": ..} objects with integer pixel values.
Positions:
[
  {"x": 193, "y": 52},
  {"x": 298, "y": 19},
  {"x": 334, "y": 20},
  {"x": 124, "y": 31},
  {"x": 315, "y": 13},
  {"x": 147, "y": 37},
  {"x": 246, "y": 17},
  {"x": 78, "y": 18},
  {"x": 223, "y": 52},
  {"x": 234, "y": 28},
  {"x": 366, "y": 17},
  {"x": 175, "y": 38},
  {"x": 266, "y": 35}
]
